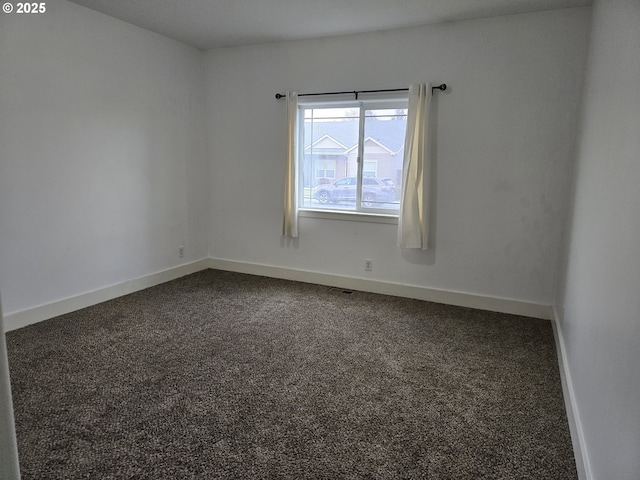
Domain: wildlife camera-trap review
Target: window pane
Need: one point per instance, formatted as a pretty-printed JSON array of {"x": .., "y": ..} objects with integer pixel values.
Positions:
[
  {"x": 384, "y": 132},
  {"x": 329, "y": 166}
]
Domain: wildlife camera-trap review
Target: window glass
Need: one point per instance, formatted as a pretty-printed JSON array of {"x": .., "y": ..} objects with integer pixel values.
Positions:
[{"x": 351, "y": 156}]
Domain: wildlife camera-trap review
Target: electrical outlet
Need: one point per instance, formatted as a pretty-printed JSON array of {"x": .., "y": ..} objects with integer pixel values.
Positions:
[
  {"x": 181, "y": 251},
  {"x": 368, "y": 265}
]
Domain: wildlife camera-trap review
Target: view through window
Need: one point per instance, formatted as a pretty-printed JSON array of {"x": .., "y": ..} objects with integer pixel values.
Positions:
[{"x": 351, "y": 156}]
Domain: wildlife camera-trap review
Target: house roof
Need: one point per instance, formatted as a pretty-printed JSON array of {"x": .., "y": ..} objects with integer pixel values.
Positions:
[
  {"x": 375, "y": 142},
  {"x": 388, "y": 133},
  {"x": 327, "y": 143}
]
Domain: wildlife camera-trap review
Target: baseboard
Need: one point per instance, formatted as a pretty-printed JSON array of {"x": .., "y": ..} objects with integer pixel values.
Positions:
[
  {"x": 37, "y": 314},
  {"x": 494, "y": 304},
  {"x": 575, "y": 426}
]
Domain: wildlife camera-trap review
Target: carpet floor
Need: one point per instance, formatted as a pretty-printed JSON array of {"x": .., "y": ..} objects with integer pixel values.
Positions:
[{"x": 232, "y": 376}]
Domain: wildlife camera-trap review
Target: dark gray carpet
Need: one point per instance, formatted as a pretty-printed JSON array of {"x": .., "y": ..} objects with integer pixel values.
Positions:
[{"x": 223, "y": 375}]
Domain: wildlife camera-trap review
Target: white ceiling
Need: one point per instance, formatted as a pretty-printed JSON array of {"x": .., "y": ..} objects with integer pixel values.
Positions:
[{"x": 222, "y": 23}]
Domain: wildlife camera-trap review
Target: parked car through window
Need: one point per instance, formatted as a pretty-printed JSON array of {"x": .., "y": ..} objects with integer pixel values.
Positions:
[{"x": 375, "y": 191}]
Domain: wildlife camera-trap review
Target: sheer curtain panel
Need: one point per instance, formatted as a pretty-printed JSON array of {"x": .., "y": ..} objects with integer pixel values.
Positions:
[
  {"x": 290, "y": 211},
  {"x": 413, "y": 221}
]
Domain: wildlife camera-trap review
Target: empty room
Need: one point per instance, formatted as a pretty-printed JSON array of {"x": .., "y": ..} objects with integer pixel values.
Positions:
[{"x": 320, "y": 239}]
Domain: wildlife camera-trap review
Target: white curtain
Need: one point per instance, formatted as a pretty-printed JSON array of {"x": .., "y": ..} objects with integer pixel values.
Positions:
[
  {"x": 290, "y": 211},
  {"x": 413, "y": 221}
]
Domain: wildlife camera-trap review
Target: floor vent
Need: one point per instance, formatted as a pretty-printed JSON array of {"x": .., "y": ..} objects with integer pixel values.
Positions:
[{"x": 341, "y": 290}]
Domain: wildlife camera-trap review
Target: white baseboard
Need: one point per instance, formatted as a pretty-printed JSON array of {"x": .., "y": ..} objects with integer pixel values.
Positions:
[
  {"x": 37, "y": 314},
  {"x": 575, "y": 426},
  {"x": 494, "y": 304}
]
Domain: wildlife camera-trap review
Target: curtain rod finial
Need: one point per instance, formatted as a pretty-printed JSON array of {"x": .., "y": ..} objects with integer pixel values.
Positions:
[{"x": 279, "y": 96}]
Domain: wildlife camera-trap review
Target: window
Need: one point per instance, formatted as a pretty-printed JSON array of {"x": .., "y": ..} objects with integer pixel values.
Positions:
[
  {"x": 370, "y": 169},
  {"x": 351, "y": 155},
  {"x": 325, "y": 169}
]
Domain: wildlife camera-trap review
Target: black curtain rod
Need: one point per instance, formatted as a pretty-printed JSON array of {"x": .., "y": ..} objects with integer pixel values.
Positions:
[{"x": 442, "y": 87}]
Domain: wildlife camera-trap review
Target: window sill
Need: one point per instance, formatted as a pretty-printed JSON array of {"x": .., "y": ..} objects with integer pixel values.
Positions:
[{"x": 350, "y": 216}]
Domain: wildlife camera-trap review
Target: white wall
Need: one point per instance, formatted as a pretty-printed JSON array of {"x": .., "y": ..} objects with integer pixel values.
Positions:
[
  {"x": 505, "y": 141},
  {"x": 102, "y": 154},
  {"x": 601, "y": 293}
]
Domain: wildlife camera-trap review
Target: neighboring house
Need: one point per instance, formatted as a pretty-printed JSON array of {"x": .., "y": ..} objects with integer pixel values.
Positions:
[
  {"x": 330, "y": 150},
  {"x": 325, "y": 160},
  {"x": 379, "y": 161}
]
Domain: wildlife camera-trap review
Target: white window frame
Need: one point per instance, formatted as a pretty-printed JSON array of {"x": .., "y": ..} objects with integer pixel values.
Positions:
[{"x": 360, "y": 213}]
